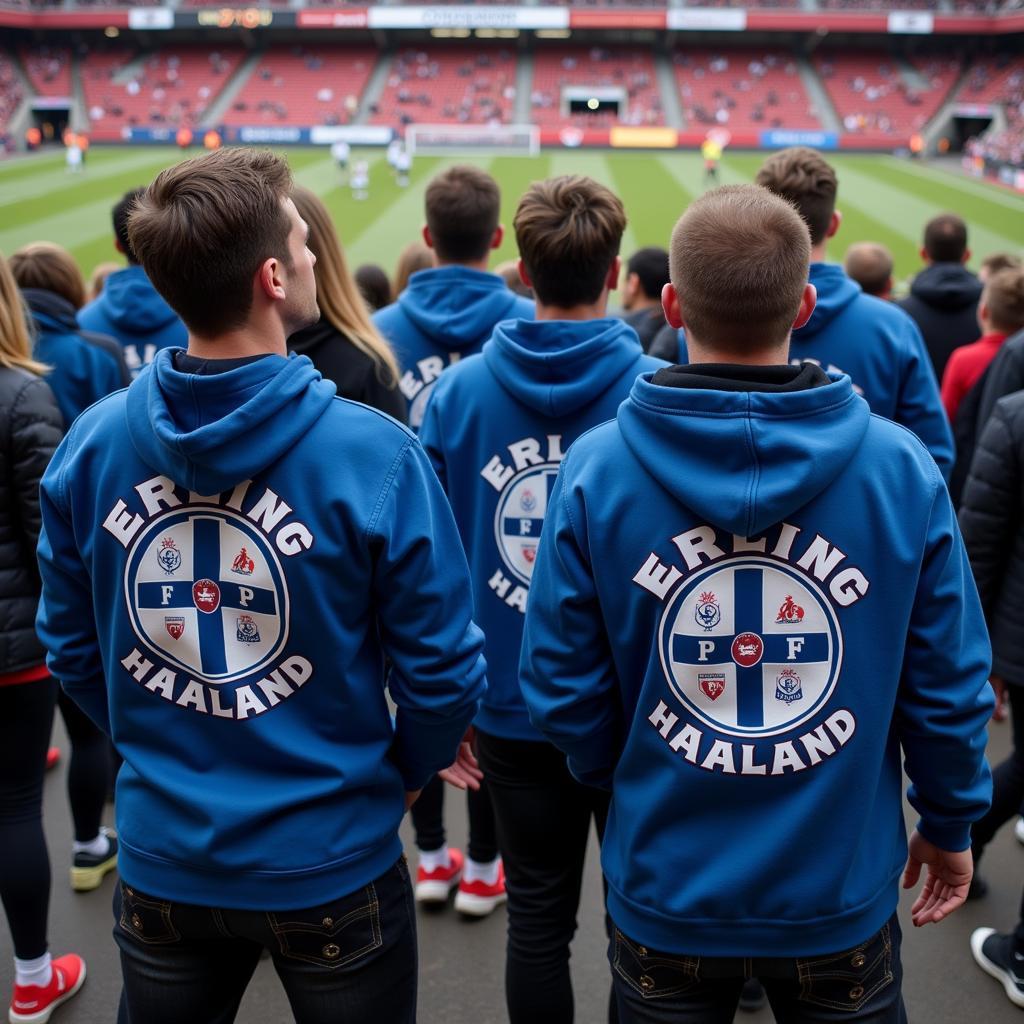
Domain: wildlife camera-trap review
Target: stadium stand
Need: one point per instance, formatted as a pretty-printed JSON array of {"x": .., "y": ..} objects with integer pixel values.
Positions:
[
  {"x": 304, "y": 86},
  {"x": 10, "y": 91},
  {"x": 743, "y": 90},
  {"x": 632, "y": 69},
  {"x": 172, "y": 87},
  {"x": 875, "y": 100},
  {"x": 48, "y": 69},
  {"x": 449, "y": 85}
]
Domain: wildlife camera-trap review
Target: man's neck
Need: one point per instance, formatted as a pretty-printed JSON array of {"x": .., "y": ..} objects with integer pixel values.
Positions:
[
  {"x": 641, "y": 303},
  {"x": 769, "y": 355},
  {"x": 819, "y": 253},
  {"x": 251, "y": 340},
  {"x": 468, "y": 264},
  {"x": 584, "y": 311}
]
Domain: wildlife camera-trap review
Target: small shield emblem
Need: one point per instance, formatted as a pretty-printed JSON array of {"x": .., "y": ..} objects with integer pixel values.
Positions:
[
  {"x": 712, "y": 684},
  {"x": 175, "y": 625}
]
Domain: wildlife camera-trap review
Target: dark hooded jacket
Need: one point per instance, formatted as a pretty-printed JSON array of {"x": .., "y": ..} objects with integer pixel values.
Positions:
[{"x": 943, "y": 300}]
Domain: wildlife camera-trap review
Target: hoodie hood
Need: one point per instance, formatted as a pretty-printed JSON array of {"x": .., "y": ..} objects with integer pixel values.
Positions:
[
  {"x": 133, "y": 304},
  {"x": 456, "y": 307},
  {"x": 556, "y": 367},
  {"x": 744, "y": 460},
  {"x": 50, "y": 311},
  {"x": 208, "y": 433},
  {"x": 835, "y": 292},
  {"x": 947, "y": 286}
]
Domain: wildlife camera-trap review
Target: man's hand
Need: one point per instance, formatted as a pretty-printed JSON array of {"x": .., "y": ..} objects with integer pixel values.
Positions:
[
  {"x": 1002, "y": 711},
  {"x": 945, "y": 888},
  {"x": 411, "y": 796},
  {"x": 464, "y": 772}
]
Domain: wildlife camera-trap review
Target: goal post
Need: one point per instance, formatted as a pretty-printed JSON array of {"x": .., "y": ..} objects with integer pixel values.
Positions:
[{"x": 473, "y": 139}]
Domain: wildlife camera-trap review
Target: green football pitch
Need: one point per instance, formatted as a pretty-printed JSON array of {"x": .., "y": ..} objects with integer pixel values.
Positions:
[{"x": 883, "y": 199}]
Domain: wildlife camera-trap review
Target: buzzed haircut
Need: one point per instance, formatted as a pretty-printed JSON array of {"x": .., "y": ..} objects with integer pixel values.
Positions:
[
  {"x": 945, "y": 238},
  {"x": 463, "y": 205},
  {"x": 808, "y": 181},
  {"x": 997, "y": 261},
  {"x": 119, "y": 217},
  {"x": 569, "y": 231},
  {"x": 203, "y": 229},
  {"x": 651, "y": 268},
  {"x": 739, "y": 260},
  {"x": 1003, "y": 297},
  {"x": 870, "y": 265}
]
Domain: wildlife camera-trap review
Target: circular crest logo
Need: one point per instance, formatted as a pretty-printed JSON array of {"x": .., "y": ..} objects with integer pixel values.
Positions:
[
  {"x": 208, "y": 618},
  {"x": 750, "y": 647},
  {"x": 520, "y": 516}
]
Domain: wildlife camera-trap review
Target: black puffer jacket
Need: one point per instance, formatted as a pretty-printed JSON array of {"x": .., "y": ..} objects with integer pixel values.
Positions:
[
  {"x": 992, "y": 522},
  {"x": 31, "y": 426}
]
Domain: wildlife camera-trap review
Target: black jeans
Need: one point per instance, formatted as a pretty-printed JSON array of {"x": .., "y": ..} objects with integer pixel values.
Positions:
[
  {"x": 543, "y": 818},
  {"x": 428, "y": 820},
  {"x": 351, "y": 959},
  {"x": 26, "y": 717},
  {"x": 861, "y": 984},
  {"x": 88, "y": 769}
]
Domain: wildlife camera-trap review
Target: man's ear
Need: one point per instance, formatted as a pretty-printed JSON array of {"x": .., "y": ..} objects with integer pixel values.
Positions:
[
  {"x": 118, "y": 246},
  {"x": 834, "y": 222},
  {"x": 808, "y": 301},
  {"x": 270, "y": 278},
  {"x": 524, "y": 274},
  {"x": 428, "y": 239},
  {"x": 923, "y": 253},
  {"x": 672, "y": 307},
  {"x": 497, "y": 238},
  {"x": 612, "y": 280},
  {"x": 966, "y": 257}
]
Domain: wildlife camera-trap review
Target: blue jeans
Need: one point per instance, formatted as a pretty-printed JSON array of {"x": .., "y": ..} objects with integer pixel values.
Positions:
[
  {"x": 351, "y": 959},
  {"x": 860, "y": 984}
]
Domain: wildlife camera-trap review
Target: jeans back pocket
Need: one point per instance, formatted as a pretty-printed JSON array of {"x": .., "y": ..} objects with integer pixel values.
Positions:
[
  {"x": 332, "y": 935},
  {"x": 846, "y": 981},
  {"x": 146, "y": 918},
  {"x": 651, "y": 974}
]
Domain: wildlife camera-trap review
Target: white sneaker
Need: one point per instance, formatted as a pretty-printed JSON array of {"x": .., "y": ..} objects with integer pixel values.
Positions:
[{"x": 1018, "y": 830}]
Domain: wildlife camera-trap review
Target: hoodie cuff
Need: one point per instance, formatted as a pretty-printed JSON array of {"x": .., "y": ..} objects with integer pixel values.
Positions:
[{"x": 953, "y": 837}]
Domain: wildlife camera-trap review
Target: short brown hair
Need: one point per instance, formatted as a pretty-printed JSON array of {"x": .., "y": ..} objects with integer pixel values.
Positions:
[
  {"x": 463, "y": 205},
  {"x": 569, "y": 231},
  {"x": 739, "y": 260},
  {"x": 997, "y": 261},
  {"x": 870, "y": 265},
  {"x": 203, "y": 229},
  {"x": 945, "y": 238},
  {"x": 1004, "y": 299},
  {"x": 808, "y": 181},
  {"x": 51, "y": 268}
]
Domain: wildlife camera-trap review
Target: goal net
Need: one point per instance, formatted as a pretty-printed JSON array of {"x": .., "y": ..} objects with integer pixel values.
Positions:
[{"x": 472, "y": 140}]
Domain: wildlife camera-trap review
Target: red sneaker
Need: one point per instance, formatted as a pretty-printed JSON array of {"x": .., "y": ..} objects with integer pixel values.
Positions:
[
  {"x": 436, "y": 886},
  {"x": 52, "y": 757},
  {"x": 33, "y": 1004},
  {"x": 477, "y": 898}
]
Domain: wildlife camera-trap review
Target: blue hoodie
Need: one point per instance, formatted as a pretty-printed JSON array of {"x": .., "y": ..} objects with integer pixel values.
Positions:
[
  {"x": 234, "y": 645},
  {"x": 85, "y": 366},
  {"x": 744, "y": 605},
  {"x": 443, "y": 316},
  {"x": 882, "y": 350},
  {"x": 131, "y": 310},
  {"x": 496, "y": 429}
]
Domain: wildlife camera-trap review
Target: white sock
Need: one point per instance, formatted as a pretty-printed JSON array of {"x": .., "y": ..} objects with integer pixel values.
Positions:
[
  {"x": 97, "y": 847},
  {"x": 477, "y": 872},
  {"x": 33, "y": 972},
  {"x": 431, "y": 860}
]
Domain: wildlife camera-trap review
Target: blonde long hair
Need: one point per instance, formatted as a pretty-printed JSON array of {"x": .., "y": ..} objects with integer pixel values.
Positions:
[
  {"x": 15, "y": 343},
  {"x": 340, "y": 303}
]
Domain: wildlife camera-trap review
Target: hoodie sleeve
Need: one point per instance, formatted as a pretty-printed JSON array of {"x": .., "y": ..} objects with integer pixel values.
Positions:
[
  {"x": 566, "y": 670},
  {"x": 944, "y": 701},
  {"x": 432, "y": 438},
  {"x": 65, "y": 622},
  {"x": 920, "y": 408},
  {"x": 424, "y": 605}
]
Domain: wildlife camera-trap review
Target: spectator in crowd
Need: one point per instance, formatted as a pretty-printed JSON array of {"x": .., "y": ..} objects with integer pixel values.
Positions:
[
  {"x": 992, "y": 522},
  {"x": 344, "y": 346},
  {"x": 130, "y": 309},
  {"x": 647, "y": 654},
  {"x": 646, "y": 275},
  {"x": 1000, "y": 314},
  {"x": 243, "y": 485},
  {"x": 374, "y": 286},
  {"x": 943, "y": 298},
  {"x": 411, "y": 260},
  {"x": 536, "y": 387},
  {"x": 449, "y": 311},
  {"x": 878, "y": 345},
  {"x": 31, "y": 426},
  {"x": 870, "y": 265},
  {"x": 509, "y": 273},
  {"x": 98, "y": 278},
  {"x": 86, "y": 365},
  {"x": 995, "y": 262},
  {"x": 1005, "y": 376}
]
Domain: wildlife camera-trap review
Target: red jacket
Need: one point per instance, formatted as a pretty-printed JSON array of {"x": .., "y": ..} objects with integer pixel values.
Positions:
[{"x": 965, "y": 367}]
